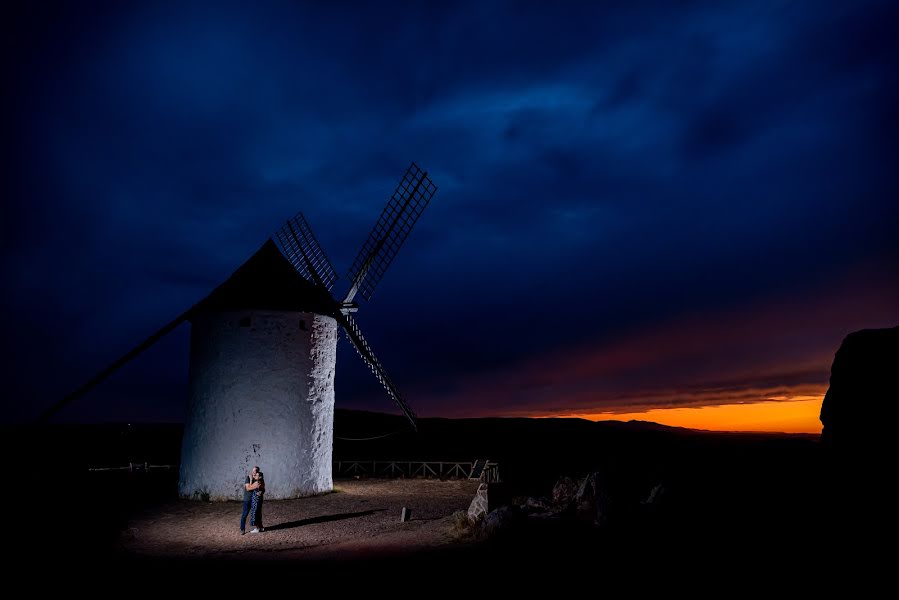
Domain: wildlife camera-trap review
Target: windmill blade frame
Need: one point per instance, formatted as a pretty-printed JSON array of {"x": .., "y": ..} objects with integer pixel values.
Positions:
[
  {"x": 358, "y": 341},
  {"x": 113, "y": 367},
  {"x": 301, "y": 248},
  {"x": 402, "y": 211}
]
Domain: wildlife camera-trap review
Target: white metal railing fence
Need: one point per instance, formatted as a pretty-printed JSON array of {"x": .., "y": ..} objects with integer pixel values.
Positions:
[{"x": 412, "y": 468}]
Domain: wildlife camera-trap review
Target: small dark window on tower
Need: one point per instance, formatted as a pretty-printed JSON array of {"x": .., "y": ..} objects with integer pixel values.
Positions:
[
  {"x": 303, "y": 325},
  {"x": 245, "y": 321}
]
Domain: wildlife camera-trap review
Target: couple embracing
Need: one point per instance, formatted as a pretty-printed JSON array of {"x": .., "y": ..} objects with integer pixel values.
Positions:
[{"x": 254, "y": 490}]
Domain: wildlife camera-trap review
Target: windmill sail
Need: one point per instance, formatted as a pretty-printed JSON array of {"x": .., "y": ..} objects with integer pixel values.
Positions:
[
  {"x": 411, "y": 197},
  {"x": 302, "y": 249},
  {"x": 112, "y": 368},
  {"x": 354, "y": 335}
]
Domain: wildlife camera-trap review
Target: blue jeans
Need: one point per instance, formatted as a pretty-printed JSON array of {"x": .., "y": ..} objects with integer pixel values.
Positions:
[{"x": 243, "y": 516}]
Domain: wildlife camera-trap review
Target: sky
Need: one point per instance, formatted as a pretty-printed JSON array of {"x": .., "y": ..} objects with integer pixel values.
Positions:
[{"x": 651, "y": 210}]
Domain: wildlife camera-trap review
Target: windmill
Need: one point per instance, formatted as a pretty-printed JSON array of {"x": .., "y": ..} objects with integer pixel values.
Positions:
[{"x": 262, "y": 358}]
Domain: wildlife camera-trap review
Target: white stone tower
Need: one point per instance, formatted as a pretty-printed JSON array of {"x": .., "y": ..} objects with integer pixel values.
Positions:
[{"x": 261, "y": 390}]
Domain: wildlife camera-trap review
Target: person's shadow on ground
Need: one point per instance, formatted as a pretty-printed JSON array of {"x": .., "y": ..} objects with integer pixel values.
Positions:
[{"x": 323, "y": 519}]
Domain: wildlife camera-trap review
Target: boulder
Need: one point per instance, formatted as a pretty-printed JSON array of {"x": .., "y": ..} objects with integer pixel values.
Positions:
[
  {"x": 592, "y": 499},
  {"x": 500, "y": 520},
  {"x": 564, "y": 492},
  {"x": 537, "y": 505},
  {"x": 656, "y": 496},
  {"x": 478, "y": 508}
]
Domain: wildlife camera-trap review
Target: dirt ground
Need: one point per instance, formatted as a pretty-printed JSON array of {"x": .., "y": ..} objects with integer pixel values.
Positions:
[{"x": 362, "y": 517}]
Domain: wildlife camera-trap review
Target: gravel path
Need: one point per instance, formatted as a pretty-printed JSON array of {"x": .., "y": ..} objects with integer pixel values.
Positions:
[{"x": 361, "y": 517}]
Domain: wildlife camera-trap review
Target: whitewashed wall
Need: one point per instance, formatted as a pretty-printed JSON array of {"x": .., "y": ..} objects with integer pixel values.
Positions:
[{"x": 261, "y": 394}]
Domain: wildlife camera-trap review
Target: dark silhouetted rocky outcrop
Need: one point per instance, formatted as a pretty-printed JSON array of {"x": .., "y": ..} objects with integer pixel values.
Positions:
[
  {"x": 859, "y": 409},
  {"x": 859, "y": 417}
]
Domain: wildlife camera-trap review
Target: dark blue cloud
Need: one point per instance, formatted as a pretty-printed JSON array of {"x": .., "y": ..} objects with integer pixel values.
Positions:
[{"x": 603, "y": 167}]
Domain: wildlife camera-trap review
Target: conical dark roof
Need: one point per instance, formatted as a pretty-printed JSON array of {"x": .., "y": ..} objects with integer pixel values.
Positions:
[{"x": 267, "y": 281}]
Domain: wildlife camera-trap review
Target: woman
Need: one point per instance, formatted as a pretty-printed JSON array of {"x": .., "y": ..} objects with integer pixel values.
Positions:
[
  {"x": 249, "y": 487},
  {"x": 256, "y": 505}
]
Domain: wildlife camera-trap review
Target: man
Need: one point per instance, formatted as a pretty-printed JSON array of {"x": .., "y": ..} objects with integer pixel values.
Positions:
[{"x": 249, "y": 488}]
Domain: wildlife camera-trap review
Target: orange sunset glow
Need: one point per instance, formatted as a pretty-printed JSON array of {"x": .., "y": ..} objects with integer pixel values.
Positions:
[{"x": 796, "y": 415}]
